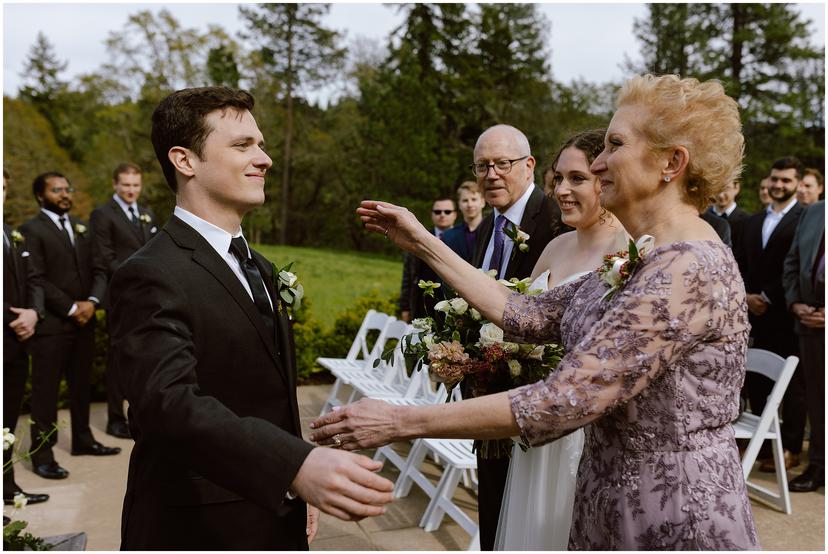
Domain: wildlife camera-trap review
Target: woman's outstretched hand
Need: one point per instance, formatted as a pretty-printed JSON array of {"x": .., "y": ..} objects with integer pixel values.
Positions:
[
  {"x": 395, "y": 222},
  {"x": 365, "y": 424}
]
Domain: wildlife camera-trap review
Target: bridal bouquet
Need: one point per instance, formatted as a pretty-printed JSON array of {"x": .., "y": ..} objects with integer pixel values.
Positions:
[{"x": 459, "y": 345}]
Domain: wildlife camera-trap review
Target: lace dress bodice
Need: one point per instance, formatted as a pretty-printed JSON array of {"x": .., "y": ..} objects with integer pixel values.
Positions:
[{"x": 656, "y": 370}]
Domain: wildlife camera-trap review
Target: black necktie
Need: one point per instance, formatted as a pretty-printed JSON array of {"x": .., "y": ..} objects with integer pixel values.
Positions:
[
  {"x": 239, "y": 249},
  {"x": 134, "y": 218},
  {"x": 64, "y": 224}
]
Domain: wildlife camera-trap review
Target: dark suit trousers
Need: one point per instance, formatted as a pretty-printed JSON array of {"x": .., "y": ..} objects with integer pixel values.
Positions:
[
  {"x": 69, "y": 354},
  {"x": 114, "y": 396},
  {"x": 812, "y": 364},
  {"x": 491, "y": 476},
  {"x": 15, "y": 372}
]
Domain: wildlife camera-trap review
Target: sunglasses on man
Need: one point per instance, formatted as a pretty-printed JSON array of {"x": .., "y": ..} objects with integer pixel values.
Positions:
[{"x": 442, "y": 212}]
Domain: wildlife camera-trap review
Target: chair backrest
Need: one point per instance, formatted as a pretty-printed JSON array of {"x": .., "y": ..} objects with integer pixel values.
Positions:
[
  {"x": 774, "y": 367},
  {"x": 373, "y": 321}
]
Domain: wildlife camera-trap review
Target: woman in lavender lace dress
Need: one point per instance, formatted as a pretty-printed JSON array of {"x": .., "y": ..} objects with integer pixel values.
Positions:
[{"x": 652, "y": 371}]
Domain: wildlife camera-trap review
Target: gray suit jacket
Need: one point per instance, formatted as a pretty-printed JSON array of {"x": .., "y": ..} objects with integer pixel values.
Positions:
[{"x": 798, "y": 274}]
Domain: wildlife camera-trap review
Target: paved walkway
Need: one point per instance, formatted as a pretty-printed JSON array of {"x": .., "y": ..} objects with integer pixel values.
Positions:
[{"x": 90, "y": 500}]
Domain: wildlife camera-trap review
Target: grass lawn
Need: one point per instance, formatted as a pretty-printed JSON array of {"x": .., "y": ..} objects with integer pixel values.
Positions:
[{"x": 334, "y": 279}]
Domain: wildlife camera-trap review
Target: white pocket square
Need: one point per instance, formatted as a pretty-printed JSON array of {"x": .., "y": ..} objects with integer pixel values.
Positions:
[{"x": 24, "y": 254}]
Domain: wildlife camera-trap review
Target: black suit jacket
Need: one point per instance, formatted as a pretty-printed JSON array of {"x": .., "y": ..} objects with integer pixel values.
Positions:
[
  {"x": 802, "y": 283},
  {"x": 116, "y": 238},
  {"x": 541, "y": 220},
  {"x": 734, "y": 219},
  {"x": 212, "y": 403},
  {"x": 762, "y": 270},
  {"x": 455, "y": 238},
  {"x": 18, "y": 291},
  {"x": 66, "y": 273}
]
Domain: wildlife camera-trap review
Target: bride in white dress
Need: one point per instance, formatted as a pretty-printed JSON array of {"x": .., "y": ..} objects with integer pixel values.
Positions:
[{"x": 537, "y": 504}]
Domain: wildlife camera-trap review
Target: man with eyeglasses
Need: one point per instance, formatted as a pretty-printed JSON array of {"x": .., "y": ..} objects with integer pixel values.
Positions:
[
  {"x": 412, "y": 302},
  {"x": 504, "y": 167},
  {"x": 63, "y": 264}
]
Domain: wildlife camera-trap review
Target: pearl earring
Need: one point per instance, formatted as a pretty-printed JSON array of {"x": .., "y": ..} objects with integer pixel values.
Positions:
[{"x": 666, "y": 178}]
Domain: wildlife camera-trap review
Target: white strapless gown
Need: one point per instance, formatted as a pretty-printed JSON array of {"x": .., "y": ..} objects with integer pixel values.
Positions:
[{"x": 540, "y": 490}]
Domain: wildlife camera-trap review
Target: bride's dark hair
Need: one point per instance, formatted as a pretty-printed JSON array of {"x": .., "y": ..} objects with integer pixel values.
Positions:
[{"x": 591, "y": 143}]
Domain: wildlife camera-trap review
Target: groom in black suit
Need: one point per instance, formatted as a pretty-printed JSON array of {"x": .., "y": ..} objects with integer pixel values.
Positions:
[
  {"x": 504, "y": 167},
  {"x": 203, "y": 347},
  {"x": 120, "y": 227}
]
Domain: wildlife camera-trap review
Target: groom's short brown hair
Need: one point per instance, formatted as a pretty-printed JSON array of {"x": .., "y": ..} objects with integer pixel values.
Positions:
[{"x": 181, "y": 120}]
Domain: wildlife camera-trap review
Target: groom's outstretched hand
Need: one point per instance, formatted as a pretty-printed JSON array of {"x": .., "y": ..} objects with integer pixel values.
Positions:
[{"x": 343, "y": 484}]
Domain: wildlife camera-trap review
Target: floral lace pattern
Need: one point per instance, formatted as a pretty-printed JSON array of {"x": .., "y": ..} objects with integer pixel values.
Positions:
[{"x": 654, "y": 374}]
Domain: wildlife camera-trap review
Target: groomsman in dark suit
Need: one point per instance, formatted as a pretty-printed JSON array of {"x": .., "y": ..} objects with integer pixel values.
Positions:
[
  {"x": 120, "y": 227},
  {"x": 22, "y": 308},
  {"x": 725, "y": 207},
  {"x": 764, "y": 241},
  {"x": 504, "y": 168},
  {"x": 203, "y": 347},
  {"x": 462, "y": 238},
  {"x": 63, "y": 264},
  {"x": 804, "y": 280}
]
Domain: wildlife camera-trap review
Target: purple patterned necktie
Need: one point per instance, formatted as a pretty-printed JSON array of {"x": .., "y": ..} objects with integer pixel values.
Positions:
[{"x": 497, "y": 251}]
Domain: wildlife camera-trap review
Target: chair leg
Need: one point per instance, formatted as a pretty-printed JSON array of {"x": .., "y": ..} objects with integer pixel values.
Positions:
[
  {"x": 412, "y": 464},
  {"x": 474, "y": 545},
  {"x": 332, "y": 398}
]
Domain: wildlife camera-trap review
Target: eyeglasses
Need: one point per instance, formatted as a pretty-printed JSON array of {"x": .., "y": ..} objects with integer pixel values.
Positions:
[
  {"x": 501, "y": 167},
  {"x": 442, "y": 212},
  {"x": 59, "y": 190}
]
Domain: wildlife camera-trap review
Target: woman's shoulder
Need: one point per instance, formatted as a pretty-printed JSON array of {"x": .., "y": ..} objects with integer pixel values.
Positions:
[{"x": 693, "y": 264}]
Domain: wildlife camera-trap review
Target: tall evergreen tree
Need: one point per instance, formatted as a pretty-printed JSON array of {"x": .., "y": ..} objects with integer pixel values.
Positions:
[
  {"x": 762, "y": 53},
  {"x": 301, "y": 52}
]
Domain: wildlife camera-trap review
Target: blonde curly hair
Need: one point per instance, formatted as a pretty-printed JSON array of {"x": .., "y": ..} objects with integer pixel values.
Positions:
[{"x": 698, "y": 116}]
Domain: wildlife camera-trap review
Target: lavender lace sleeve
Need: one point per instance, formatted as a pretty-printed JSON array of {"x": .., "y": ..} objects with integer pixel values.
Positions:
[
  {"x": 537, "y": 319},
  {"x": 676, "y": 301}
]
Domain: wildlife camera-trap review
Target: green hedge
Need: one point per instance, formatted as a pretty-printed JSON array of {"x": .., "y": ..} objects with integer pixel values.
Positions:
[{"x": 312, "y": 341}]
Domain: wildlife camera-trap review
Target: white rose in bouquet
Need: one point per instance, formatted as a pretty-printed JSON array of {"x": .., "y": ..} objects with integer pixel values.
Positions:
[
  {"x": 459, "y": 305},
  {"x": 490, "y": 334},
  {"x": 514, "y": 368}
]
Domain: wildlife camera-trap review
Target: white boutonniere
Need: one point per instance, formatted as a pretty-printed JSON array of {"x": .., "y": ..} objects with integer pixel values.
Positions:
[
  {"x": 519, "y": 238},
  {"x": 80, "y": 229},
  {"x": 145, "y": 218},
  {"x": 17, "y": 237},
  {"x": 619, "y": 267},
  {"x": 288, "y": 287}
]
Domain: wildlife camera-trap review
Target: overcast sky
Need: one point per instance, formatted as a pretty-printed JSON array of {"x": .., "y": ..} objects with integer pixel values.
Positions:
[{"x": 586, "y": 40}]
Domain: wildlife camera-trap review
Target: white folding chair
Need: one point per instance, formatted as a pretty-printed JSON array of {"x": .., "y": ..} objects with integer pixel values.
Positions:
[
  {"x": 359, "y": 358},
  {"x": 765, "y": 426},
  {"x": 389, "y": 379}
]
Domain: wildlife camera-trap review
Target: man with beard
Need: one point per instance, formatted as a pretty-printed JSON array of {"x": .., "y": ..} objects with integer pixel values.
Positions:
[
  {"x": 764, "y": 241},
  {"x": 62, "y": 263}
]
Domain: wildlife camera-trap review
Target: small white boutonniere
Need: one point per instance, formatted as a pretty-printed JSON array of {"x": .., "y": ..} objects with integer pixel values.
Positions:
[
  {"x": 619, "y": 267},
  {"x": 288, "y": 287},
  {"x": 17, "y": 237},
  {"x": 145, "y": 218},
  {"x": 80, "y": 229},
  {"x": 520, "y": 238}
]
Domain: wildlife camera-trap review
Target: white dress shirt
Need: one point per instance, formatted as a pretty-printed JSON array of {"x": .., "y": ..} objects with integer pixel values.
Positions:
[
  {"x": 219, "y": 239},
  {"x": 56, "y": 219},
  {"x": 773, "y": 218},
  {"x": 124, "y": 206},
  {"x": 514, "y": 215},
  {"x": 727, "y": 212}
]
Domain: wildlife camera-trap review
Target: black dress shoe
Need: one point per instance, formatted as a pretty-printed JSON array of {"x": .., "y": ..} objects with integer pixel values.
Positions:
[
  {"x": 31, "y": 498},
  {"x": 51, "y": 471},
  {"x": 811, "y": 479},
  {"x": 118, "y": 429},
  {"x": 96, "y": 449}
]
